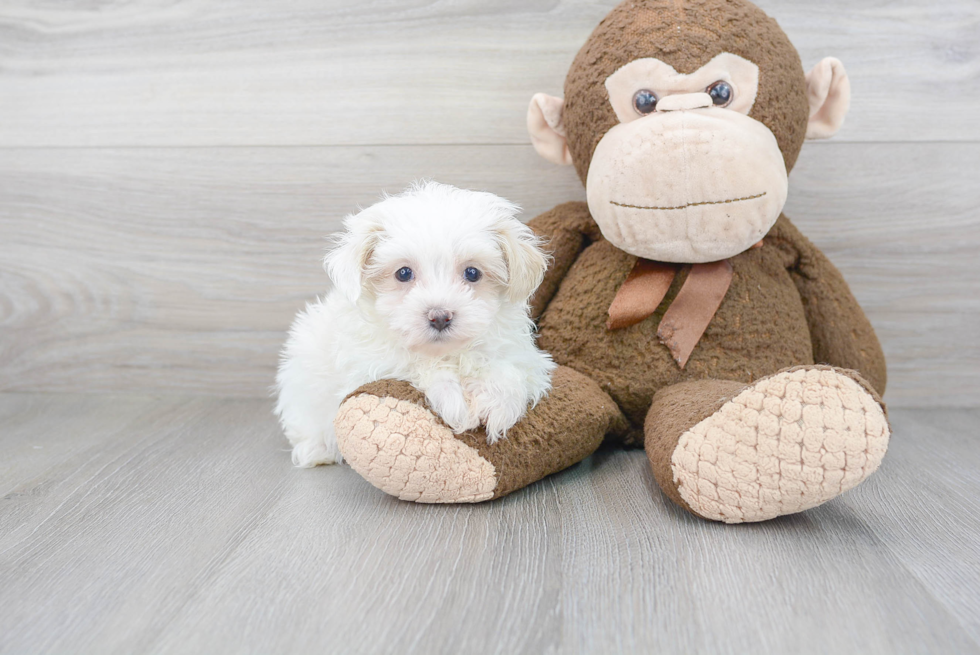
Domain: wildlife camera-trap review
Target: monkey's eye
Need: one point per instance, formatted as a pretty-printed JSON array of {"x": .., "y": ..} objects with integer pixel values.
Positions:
[
  {"x": 721, "y": 93},
  {"x": 644, "y": 102},
  {"x": 404, "y": 274},
  {"x": 472, "y": 274}
]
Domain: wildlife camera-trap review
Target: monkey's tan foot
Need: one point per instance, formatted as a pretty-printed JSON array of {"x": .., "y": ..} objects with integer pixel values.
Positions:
[
  {"x": 736, "y": 453},
  {"x": 397, "y": 444},
  {"x": 393, "y": 440}
]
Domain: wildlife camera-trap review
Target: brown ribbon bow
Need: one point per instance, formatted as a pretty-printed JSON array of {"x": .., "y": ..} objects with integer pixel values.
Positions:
[{"x": 688, "y": 315}]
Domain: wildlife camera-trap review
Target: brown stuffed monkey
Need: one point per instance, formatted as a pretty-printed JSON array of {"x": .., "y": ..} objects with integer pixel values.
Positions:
[{"x": 689, "y": 316}]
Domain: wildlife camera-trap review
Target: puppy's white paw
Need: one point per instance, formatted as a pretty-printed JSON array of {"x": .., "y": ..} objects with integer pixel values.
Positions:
[
  {"x": 446, "y": 397},
  {"x": 499, "y": 406},
  {"x": 313, "y": 452},
  {"x": 501, "y": 419}
]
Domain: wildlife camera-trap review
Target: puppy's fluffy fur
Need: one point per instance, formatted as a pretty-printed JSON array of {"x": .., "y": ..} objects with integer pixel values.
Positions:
[{"x": 403, "y": 269}]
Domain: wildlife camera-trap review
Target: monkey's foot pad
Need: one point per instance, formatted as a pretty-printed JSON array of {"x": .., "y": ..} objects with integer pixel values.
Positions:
[
  {"x": 404, "y": 450},
  {"x": 785, "y": 444}
]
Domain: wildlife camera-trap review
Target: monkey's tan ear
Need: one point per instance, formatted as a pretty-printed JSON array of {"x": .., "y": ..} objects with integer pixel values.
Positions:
[
  {"x": 828, "y": 91},
  {"x": 545, "y": 127}
]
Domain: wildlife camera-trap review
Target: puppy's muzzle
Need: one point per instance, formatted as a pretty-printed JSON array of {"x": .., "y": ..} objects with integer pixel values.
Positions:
[{"x": 440, "y": 319}]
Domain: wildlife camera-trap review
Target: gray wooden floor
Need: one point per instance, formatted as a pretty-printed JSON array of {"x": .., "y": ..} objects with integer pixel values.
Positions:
[{"x": 176, "y": 524}]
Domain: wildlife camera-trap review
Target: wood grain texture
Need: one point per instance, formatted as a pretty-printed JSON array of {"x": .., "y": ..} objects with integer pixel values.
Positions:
[
  {"x": 179, "y": 525},
  {"x": 383, "y": 72},
  {"x": 924, "y": 509},
  {"x": 171, "y": 269}
]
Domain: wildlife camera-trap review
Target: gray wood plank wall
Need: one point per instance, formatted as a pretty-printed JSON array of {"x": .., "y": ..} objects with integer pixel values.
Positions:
[{"x": 168, "y": 171}]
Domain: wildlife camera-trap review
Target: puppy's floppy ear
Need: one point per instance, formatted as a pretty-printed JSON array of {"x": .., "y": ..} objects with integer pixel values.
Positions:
[
  {"x": 347, "y": 262},
  {"x": 526, "y": 262}
]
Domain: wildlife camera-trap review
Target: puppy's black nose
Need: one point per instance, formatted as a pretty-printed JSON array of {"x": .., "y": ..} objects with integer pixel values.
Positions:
[{"x": 440, "y": 319}]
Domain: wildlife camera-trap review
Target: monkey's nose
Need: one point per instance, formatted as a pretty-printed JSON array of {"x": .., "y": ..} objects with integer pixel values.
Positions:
[
  {"x": 440, "y": 319},
  {"x": 683, "y": 101}
]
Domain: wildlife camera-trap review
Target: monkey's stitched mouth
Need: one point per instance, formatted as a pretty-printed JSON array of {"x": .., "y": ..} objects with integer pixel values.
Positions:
[{"x": 690, "y": 204}]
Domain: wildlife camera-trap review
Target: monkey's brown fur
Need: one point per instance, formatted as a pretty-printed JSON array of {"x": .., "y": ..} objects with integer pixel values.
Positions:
[{"x": 787, "y": 305}]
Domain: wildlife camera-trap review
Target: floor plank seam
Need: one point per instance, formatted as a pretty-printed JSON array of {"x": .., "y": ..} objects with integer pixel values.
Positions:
[
  {"x": 215, "y": 566},
  {"x": 896, "y": 558}
]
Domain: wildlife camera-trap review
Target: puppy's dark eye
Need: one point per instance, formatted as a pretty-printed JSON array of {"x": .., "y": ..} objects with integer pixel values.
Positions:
[
  {"x": 472, "y": 274},
  {"x": 721, "y": 94},
  {"x": 404, "y": 274},
  {"x": 644, "y": 101}
]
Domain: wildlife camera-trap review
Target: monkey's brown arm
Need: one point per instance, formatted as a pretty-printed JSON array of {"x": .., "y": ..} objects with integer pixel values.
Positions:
[
  {"x": 841, "y": 334},
  {"x": 567, "y": 230}
]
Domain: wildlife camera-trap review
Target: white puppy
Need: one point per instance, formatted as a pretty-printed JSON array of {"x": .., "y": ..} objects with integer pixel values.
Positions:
[{"x": 430, "y": 286}]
